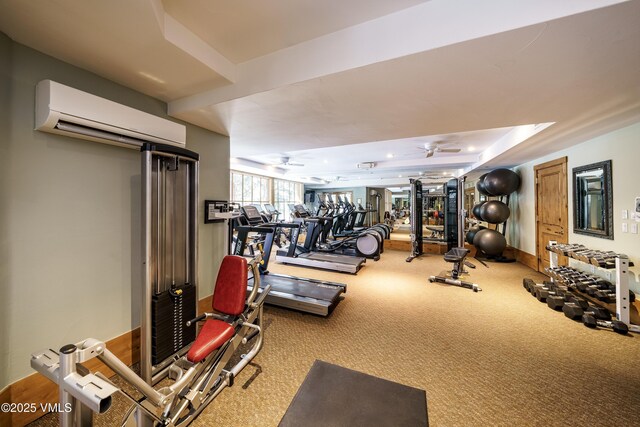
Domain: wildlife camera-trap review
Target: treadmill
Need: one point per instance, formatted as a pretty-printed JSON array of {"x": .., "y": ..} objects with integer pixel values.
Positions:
[
  {"x": 305, "y": 255},
  {"x": 297, "y": 293}
]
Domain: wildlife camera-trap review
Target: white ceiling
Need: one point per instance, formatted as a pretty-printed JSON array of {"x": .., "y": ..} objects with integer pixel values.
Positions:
[
  {"x": 349, "y": 81},
  {"x": 245, "y": 29}
]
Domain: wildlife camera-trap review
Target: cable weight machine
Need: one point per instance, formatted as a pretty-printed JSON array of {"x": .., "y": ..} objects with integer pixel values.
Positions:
[
  {"x": 454, "y": 218},
  {"x": 170, "y": 256},
  {"x": 415, "y": 218}
]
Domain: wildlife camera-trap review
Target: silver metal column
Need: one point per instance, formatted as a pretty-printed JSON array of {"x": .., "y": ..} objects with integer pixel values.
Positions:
[{"x": 170, "y": 256}]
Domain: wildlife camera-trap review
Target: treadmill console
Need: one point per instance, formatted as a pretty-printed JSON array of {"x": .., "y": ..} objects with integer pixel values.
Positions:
[
  {"x": 302, "y": 211},
  {"x": 252, "y": 214}
]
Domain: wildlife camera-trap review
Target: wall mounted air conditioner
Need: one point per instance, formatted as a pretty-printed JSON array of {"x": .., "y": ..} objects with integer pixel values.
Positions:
[{"x": 64, "y": 110}]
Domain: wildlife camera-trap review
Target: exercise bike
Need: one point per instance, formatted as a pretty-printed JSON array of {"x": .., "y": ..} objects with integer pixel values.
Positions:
[{"x": 198, "y": 377}]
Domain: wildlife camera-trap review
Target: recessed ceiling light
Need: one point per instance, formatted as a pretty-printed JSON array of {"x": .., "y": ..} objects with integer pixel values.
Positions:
[
  {"x": 420, "y": 173},
  {"x": 472, "y": 148},
  {"x": 151, "y": 77},
  {"x": 399, "y": 176},
  {"x": 390, "y": 156},
  {"x": 325, "y": 161}
]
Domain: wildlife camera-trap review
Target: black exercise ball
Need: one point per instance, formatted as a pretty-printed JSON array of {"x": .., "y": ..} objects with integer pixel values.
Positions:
[
  {"x": 501, "y": 182},
  {"x": 480, "y": 185},
  {"x": 494, "y": 212},
  {"x": 472, "y": 233},
  {"x": 476, "y": 210},
  {"x": 490, "y": 242}
]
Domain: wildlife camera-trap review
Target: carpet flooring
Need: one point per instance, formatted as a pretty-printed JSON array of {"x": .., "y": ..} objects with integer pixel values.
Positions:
[{"x": 494, "y": 358}]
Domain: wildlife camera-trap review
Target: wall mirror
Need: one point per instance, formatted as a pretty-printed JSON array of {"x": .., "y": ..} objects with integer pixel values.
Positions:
[{"x": 593, "y": 200}]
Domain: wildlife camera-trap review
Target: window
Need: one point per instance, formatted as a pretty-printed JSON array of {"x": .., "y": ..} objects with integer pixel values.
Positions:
[
  {"x": 346, "y": 196},
  {"x": 284, "y": 194},
  {"x": 249, "y": 189}
]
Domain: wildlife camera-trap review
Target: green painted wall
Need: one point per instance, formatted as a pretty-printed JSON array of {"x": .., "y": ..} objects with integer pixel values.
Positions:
[
  {"x": 622, "y": 147},
  {"x": 70, "y": 217},
  {"x": 5, "y": 250}
]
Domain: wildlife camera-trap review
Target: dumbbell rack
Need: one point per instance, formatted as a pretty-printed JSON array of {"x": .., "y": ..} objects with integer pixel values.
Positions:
[{"x": 620, "y": 276}]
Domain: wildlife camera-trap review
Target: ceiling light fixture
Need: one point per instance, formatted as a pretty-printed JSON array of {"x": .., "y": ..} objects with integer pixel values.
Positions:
[
  {"x": 366, "y": 165},
  {"x": 151, "y": 77},
  {"x": 325, "y": 161},
  {"x": 472, "y": 148},
  {"x": 399, "y": 176},
  {"x": 390, "y": 156}
]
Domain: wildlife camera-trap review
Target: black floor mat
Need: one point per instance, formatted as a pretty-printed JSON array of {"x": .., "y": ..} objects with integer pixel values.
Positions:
[{"x": 333, "y": 396}]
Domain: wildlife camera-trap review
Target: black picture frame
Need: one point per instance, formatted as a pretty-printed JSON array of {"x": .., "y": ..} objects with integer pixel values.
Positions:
[{"x": 579, "y": 200}]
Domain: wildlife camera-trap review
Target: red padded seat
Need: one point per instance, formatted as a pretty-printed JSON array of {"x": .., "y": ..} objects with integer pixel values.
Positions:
[
  {"x": 230, "y": 292},
  {"x": 214, "y": 333},
  {"x": 229, "y": 297}
]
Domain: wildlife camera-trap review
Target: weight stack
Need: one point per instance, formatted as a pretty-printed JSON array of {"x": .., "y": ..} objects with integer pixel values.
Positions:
[
  {"x": 170, "y": 311},
  {"x": 451, "y": 213}
]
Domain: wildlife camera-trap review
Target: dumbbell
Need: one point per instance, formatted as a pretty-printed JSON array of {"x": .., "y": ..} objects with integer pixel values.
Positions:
[
  {"x": 592, "y": 288},
  {"x": 562, "y": 295},
  {"x": 530, "y": 285},
  {"x": 542, "y": 292},
  {"x": 600, "y": 313},
  {"x": 580, "y": 252},
  {"x": 619, "y": 327},
  {"x": 592, "y": 284},
  {"x": 603, "y": 261},
  {"x": 575, "y": 310},
  {"x": 605, "y": 295},
  {"x": 563, "y": 249},
  {"x": 572, "y": 310},
  {"x": 571, "y": 274},
  {"x": 609, "y": 296}
]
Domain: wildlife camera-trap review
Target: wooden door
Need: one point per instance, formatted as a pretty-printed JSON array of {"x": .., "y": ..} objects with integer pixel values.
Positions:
[{"x": 551, "y": 207}]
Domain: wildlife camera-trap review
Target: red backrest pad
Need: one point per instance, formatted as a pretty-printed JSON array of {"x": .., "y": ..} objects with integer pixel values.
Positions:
[{"x": 230, "y": 292}]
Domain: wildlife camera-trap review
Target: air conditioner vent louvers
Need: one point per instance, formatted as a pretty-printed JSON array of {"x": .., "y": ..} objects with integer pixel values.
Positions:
[{"x": 96, "y": 133}]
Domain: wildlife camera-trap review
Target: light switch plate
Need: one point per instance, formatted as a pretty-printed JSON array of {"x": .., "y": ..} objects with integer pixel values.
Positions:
[
  {"x": 624, "y": 227},
  {"x": 634, "y": 228},
  {"x": 625, "y": 214}
]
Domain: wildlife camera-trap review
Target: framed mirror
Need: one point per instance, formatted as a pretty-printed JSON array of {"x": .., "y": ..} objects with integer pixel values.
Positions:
[{"x": 593, "y": 200}]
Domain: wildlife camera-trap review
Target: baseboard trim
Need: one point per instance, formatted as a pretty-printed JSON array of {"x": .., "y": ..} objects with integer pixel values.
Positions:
[
  {"x": 405, "y": 245},
  {"x": 522, "y": 257},
  {"x": 526, "y": 259},
  {"x": 5, "y": 397},
  {"x": 37, "y": 389}
]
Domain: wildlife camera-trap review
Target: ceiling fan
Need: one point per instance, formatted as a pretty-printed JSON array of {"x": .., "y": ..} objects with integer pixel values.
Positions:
[
  {"x": 432, "y": 148},
  {"x": 286, "y": 161}
]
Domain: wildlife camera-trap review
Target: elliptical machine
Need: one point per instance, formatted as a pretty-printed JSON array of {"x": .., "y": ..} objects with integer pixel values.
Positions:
[{"x": 368, "y": 243}]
